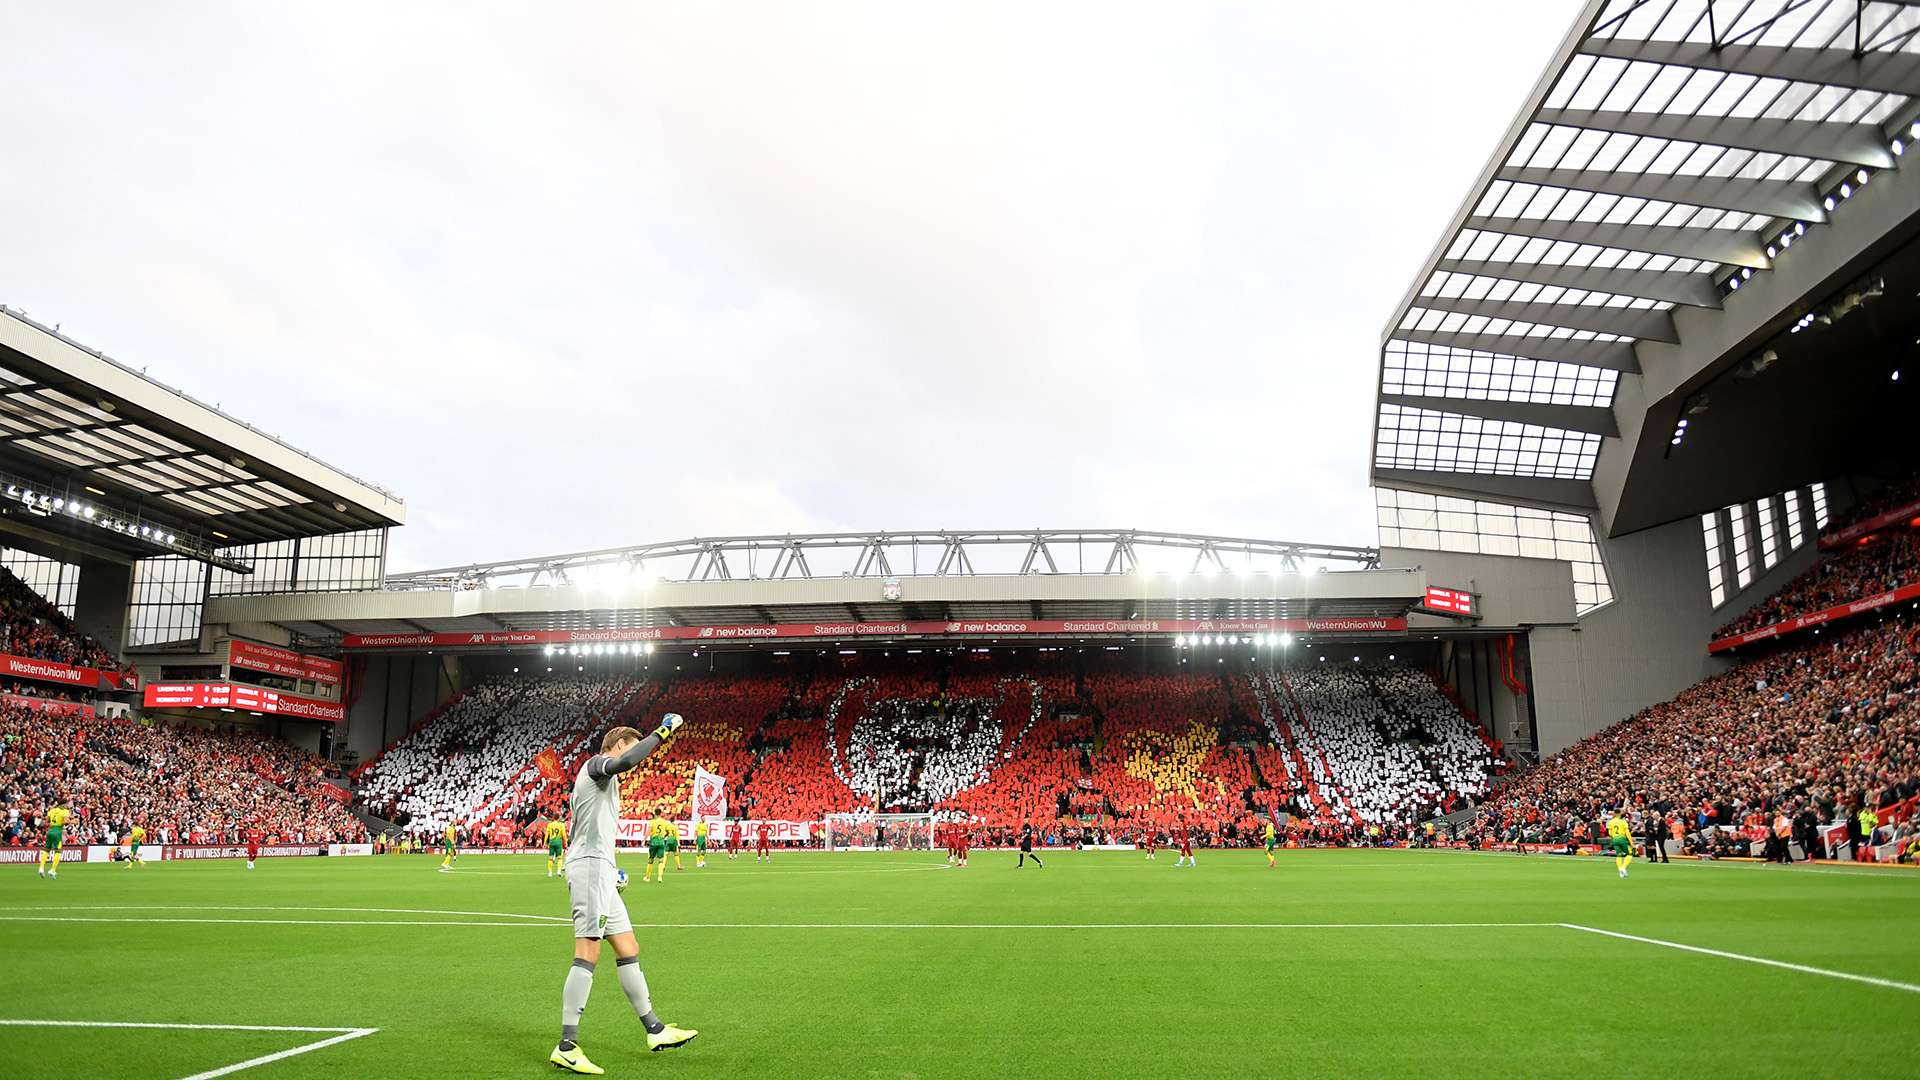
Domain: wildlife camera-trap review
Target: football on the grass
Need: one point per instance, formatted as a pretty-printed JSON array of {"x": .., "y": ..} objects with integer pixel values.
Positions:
[{"x": 620, "y": 881}]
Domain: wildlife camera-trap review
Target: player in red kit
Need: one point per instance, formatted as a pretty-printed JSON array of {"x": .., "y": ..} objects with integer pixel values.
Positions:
[
  {"x": 733, "y": 840},
  {"x": 253, "y": 847},
  {"x": 763, "y": 855},
  {"x": 1150, "y": 838},
  {"x": 1186, "y": 846}
]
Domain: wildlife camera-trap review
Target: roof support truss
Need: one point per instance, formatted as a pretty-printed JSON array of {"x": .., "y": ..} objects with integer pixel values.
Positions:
[
  {"x": 1612, "y": 355},
  {"x": 1624, "y": 322},
  {"x": 1736, "y": 247},
  {"x": 1854, "y": 144},
  {"x": 1694, "y": 290},
  {"x": 1590, "y": 419},
  {"x": 1887, "y": 72},
  {"x": 1774, "y": 198}
]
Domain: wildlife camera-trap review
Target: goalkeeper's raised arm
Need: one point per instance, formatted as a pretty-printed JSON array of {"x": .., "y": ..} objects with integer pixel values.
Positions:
[{"x": 618, "y": 761}]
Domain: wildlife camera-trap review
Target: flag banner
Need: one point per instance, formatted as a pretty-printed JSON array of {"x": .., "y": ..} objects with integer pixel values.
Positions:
[
  {"x": 709, "y": 795},
  {"x": 548, "y": 762}
]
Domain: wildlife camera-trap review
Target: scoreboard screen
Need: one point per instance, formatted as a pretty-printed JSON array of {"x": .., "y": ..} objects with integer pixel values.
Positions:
[{"x": 1451, "y": 601}]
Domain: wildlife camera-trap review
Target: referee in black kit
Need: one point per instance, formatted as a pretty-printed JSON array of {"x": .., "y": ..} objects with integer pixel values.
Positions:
[{"x": 1026, "y": 848}]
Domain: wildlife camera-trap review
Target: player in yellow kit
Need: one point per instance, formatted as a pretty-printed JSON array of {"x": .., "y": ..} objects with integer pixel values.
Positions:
[
  {"x": 556, "y": 848},
  {"x": 657, "y": 831},
  {"x": 1620, "y": 839},
  {"x": 135, "y": 838},
  {"x": 700, "y": 845},
  {"x": 1272, "y": 840},
  {"x": 451, "y": 838},
  {"x": 56, "y": 835}
]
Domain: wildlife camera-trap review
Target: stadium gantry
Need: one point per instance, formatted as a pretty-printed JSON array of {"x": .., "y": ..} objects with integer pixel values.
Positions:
[{"x": 891, "y": 554}]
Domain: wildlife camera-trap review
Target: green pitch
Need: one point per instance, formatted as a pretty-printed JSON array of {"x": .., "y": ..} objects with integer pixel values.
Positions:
[{"x": 894, "y": 966}]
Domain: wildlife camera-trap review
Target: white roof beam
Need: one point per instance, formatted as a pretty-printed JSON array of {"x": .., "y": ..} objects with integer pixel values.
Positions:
[
  {"x": 1612, "y": 355},
  {"x": 1735, "y": 247},
  {"x": 1855, "y": 144},
  {"x": 1673, "y": 287},
  {"x": 1886, "y": 72},
  {"x": 1624, "y": 322},
  {"x": 1772, "y": 198},
  {"x": 1590, "y": 419}
]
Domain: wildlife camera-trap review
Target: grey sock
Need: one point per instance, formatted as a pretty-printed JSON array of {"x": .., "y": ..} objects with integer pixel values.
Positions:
[
  {"x": 573, "y": 1000},
  {"x": 635, "y": 984}
]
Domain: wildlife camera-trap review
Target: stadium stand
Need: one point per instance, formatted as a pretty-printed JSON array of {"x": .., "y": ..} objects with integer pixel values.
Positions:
[
  {"x": 1871, "y": 564},
  {"x": 1875, "y": 566},
  {"x": 183, "y": 784},
  {"x": 1815, "y": 733},
  {"x": 1068, "y": 742},
  {"x": 471, "y": 764},
  {"x": 32, "y": 627}
]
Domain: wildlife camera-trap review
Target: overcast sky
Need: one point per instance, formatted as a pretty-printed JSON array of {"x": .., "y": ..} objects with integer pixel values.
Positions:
[{"x": 568, "y": 276}]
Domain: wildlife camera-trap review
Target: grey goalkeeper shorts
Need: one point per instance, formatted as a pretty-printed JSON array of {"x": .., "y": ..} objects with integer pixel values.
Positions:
[{"x": 598, "y": 911}]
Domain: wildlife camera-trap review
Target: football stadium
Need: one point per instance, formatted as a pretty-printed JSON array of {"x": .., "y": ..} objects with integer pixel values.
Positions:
[{"x": 1599, "y": 757}]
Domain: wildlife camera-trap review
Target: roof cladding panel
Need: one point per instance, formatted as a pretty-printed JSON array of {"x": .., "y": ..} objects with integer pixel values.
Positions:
[
  {"x": 70, "y": 417},
  {"x": 1671, "y": 150}
]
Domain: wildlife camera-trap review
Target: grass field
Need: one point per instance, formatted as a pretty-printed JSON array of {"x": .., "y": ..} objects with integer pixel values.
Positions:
[{"x": 866, "y": 966}]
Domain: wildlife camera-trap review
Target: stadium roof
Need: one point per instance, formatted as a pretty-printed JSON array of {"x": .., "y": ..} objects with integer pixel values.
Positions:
[
  {"x": 80, "y": 426},
  {"x": 842, "y": 607},
  {"x": 1672, "y": 153},
  {"x": 890, "y": 553},
  {"x": 889, "y": 584}
]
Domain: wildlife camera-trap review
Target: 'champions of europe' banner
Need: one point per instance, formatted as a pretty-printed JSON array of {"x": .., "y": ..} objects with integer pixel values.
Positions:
[{"x": 633, "y": 832}]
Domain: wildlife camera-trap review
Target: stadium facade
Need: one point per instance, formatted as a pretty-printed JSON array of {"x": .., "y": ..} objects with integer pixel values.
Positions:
[{"x": 1650, "y": 355}]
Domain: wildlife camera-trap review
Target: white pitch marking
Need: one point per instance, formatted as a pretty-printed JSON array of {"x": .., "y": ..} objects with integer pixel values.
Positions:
[
  {"x": 884, "y": 870},
  {"x": 272, "y": 922},
  {"x": 339, "y": 1035},
  {"x": 1096, "y": 926},
  {"x": 794, "y": 925},
  {"x": 297, "y": 907},
  {"x": 1888, "y": 874},
  {"x": 1803, "y": 968}
]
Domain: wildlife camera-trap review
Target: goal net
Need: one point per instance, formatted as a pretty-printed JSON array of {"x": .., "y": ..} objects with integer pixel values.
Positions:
[{"x": 879, "y": 832}]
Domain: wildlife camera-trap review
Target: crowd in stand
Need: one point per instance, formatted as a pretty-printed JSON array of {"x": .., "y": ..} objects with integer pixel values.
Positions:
[
  {"x": 181, "y": 784},
  {"x": 1079, "y": 748},
  {"x": 1812, "y": 734},
  {"x": 722, "y": 716},
  {"x": 1869, "y": 566},
  {"x": 474, "y": 761},
  {"x": 32, "y": 627},
  {"x": 1880, "y": 564},
  {"x": 1899, "y": 493}
]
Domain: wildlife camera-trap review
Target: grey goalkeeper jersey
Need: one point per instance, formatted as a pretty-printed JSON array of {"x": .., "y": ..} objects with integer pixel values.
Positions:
[{"x": 595, "y": 811}]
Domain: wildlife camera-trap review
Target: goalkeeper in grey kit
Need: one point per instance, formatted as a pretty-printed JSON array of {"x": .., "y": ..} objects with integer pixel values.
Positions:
[{"x": 598, "y": 912}]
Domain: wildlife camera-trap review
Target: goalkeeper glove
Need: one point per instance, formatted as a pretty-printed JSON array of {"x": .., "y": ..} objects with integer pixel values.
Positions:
[{"x": 669, "y": 724}]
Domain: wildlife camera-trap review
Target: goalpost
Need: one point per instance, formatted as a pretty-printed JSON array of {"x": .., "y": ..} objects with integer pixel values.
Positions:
[{"x": 879, "y": 832}]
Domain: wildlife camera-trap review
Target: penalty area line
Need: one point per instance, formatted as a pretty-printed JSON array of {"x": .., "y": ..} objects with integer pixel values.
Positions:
[
  {"x": 300, "y": 907},
  {"x": 1099, "y": 926},
  {"x": 1725, "y": 955},
  {"x": 337, "y": 1035},
  {"x": 144, "y": 920}
]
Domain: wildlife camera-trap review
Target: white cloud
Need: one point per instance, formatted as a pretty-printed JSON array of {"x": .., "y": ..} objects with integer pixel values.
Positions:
[{"x": 620, "y": 273}]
